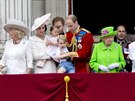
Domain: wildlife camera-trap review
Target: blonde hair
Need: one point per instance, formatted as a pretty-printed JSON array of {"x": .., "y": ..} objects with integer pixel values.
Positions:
[
  {"x": 20, "y": 33},
  {"x": 62, "y": 38}
]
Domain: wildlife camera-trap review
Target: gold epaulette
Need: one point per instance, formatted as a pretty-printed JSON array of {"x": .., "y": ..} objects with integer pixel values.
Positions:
[{"x": 85, "y": 30}]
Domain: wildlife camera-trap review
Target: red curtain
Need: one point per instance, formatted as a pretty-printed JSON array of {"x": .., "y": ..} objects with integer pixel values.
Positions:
[{"x": 81, "y": 87}]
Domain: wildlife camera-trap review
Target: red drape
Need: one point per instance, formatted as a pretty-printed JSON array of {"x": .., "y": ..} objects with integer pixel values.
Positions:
[{"x": 81, "y": 87}]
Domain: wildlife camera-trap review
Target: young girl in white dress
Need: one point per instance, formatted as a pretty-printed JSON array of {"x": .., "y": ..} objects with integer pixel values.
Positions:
[{"x": 52, "y": 43}]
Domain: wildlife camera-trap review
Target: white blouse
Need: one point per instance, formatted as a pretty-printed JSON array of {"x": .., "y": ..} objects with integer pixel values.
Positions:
[
  {"x": 132, "y": 55},
  {"x": 17, "y": 57},
  {"x": 58, "y": 52},
  {"x": 132, "y": 51}
]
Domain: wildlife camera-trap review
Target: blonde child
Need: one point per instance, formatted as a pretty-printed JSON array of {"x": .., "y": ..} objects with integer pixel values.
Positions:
[{"x": 64, "y": 65}]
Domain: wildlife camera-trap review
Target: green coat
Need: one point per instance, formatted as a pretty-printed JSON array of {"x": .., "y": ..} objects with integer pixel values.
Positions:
[{"x": 103, "y": 55}]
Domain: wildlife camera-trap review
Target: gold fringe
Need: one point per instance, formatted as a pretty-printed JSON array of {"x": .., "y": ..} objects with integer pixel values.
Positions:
[{"x": 73, "y": 44}]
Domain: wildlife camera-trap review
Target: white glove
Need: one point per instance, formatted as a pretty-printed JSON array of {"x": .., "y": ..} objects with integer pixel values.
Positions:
[
  {"x": 103, "y": 68},
  {"x": 114, "y": 65},
  {"x": 4, "y": 70}
]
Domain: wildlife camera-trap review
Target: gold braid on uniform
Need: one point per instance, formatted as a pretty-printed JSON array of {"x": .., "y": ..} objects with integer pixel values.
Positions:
[
  {"x": 85, "y": 30},
  {"x": 74, "y": 41}
]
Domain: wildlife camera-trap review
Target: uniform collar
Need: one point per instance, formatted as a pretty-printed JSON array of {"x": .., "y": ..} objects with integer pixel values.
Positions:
[{"x": 77, "y": 30}]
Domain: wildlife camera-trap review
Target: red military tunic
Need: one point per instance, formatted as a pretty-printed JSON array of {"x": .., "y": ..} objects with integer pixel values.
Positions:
[{"x": 80, "y": 42}]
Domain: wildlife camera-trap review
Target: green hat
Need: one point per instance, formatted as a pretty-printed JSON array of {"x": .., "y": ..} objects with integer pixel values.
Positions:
[{"x": 107, "y": 31}]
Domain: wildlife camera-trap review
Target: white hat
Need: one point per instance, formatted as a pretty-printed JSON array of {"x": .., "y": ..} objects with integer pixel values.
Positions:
[
  {"x": 45, "y": 19},
  {"x": 16, "y": 24}
]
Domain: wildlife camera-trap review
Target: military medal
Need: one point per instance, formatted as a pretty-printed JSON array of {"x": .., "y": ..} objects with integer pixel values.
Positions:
[{"x": 79, "y": 46}]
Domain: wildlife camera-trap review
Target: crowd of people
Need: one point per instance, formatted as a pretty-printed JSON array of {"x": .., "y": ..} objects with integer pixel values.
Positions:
[{"x": 59, "y": 51}]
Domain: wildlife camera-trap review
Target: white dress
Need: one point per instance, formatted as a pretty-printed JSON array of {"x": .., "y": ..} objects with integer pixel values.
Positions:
[
  {"x": 17, "y": 57},
  {"x": 39, "y": 53},
  {"x": 51, "y": 49}
]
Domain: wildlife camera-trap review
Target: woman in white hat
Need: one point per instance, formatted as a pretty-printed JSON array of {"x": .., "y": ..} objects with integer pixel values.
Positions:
[
  {"x": 39, "y": 46},
  {"x": 17, "y": 57}
]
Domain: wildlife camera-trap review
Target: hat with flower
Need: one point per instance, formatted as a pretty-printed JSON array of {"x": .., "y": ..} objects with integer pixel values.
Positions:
[{"x": 108, "y": 31}]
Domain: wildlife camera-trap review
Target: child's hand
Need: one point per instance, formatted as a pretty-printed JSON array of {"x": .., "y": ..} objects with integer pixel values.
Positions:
[{"x": 49, "y": 42}]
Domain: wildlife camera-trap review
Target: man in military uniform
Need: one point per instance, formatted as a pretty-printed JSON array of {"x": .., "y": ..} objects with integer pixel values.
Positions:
[{"x": 80, "y": 42}]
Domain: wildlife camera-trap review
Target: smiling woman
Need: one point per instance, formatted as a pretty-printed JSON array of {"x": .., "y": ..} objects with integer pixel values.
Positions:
[
  {"x": 107, "y": 56},
  {"x": 43, "y": 62},
  {"x": 19, "y": 59}
]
